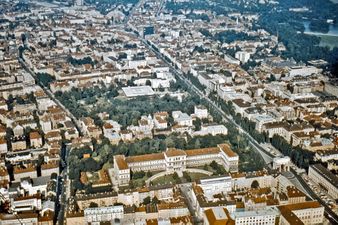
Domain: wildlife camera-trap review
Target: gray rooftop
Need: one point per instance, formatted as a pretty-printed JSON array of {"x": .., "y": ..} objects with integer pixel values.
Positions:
[
  {"x": 138, "y": 91},
  {"x": 326, "y": 174}
]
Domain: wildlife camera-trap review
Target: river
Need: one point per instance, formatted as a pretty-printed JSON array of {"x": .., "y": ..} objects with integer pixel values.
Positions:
[{"x": 329, "y": 39}]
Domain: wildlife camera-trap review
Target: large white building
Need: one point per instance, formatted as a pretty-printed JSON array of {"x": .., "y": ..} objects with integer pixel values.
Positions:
[
  {"x": 174, "y": 160},
  {"x": 201, "y": 111},
  {"x": 33, "y": 186},
  {"x": 211, "y": 129},
  {"x": 182, "y": 119},
  {"x": 242, "y": 56},
  {"x": 121, "y": 170},
  {"x": 303, "y": 71},
  {"x": 220, "y": 215},
  {"x": 245, "y": 180},
  {"x": 216, "y": 185},
  {"x": 261, "y": 120},
  {"x": 266, "y": 216}
]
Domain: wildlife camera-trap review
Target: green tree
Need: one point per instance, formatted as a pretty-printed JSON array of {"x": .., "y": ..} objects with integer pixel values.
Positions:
[
  {"x": 176, "y": 177},
  {"x": 255, "y": 184},
  {"x": 146, "y": 200},
  {"x": 272, "y": 78},
  {"x": 155, "y": 201},
  {"x": 138, "y": 174},
  {"x": 197, "y": 123},
  {"x": 205, "y": 167},
  {"x": 187, "y": 177},
  {"x": 93, "y": 205},
  {"x": 90, "y": 164},
  {"x": 45, "y": 78},
  {"x": 162, "y": 145},
  {"x": 217, "y": 168},
  {"x": 131, "y": 184},
  {"x": 197, "y": 144},
  {"x": 149, "y": 173}
]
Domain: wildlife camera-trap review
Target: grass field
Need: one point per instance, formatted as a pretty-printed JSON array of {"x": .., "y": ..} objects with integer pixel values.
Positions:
[
  {"x": 168, "y": 179},
  {"x": 329, "y": 41},
  {"x": 197, "y": 176}
]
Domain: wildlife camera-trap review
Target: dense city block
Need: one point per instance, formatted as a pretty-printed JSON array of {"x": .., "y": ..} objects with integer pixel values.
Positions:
[{"x": 160, "y": 112}]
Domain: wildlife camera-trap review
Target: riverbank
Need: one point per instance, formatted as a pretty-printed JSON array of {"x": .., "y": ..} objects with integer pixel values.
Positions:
[
  {"x": 321, "y": 34},
  {"x": 329, "y": 39}
]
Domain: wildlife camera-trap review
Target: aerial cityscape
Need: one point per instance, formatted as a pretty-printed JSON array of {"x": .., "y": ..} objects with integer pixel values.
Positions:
[{"x": 168, "y": 112}]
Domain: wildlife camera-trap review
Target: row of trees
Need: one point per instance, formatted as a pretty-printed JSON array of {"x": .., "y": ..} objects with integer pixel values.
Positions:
[
  {"x": 302, "y": 158},
  {"x": 194, "y": 80},
  {"x": 158, "y": 144},
  {"x": 250, "y": 127}
]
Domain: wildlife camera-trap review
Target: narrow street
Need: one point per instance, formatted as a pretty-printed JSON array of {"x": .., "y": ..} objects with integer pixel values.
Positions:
[{"x": 63, "y": 184}]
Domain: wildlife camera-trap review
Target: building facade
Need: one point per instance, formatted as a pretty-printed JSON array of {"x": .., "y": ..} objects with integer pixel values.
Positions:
[
  {"x": 174, "y": 160},
  {"x": 325, "y": 179},
  {"x": 103, "y": 214}
]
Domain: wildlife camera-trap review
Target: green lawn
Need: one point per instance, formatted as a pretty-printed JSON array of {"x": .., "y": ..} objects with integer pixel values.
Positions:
[
  {"x": 329, "y": 41},
  {"x": 206, "y": 168},
  {"x": 139, "y": 182},
  {"x": 167, "y": 179},
  {"x": 197, "y": 176}
]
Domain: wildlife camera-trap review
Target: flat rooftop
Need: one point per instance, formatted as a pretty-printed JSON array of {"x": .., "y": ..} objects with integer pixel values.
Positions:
[
  {"x": 138, "y": 91},
  {"x": 271, "y": 211}
]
